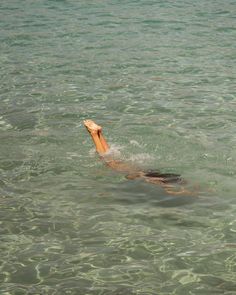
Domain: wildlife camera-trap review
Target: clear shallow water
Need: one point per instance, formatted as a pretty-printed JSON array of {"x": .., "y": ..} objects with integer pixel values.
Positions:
[{"x": 160, "y": 77}]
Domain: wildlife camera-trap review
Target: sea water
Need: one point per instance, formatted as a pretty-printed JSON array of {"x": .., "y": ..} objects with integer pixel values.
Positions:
[{"x": 160, "y": 77}]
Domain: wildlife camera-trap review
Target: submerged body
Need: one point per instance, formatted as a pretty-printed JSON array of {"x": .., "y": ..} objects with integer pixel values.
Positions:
[{"x": 172, "y": 183}]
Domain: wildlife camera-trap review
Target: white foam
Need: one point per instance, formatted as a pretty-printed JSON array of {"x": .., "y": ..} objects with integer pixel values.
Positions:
[
  {"x": 135, "y": 143},
  {"x": 141, "y": 158},
  {"x": 114, "y": 152}
]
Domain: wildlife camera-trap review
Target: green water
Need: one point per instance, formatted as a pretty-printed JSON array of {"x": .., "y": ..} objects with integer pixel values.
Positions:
[{"x": 159, "y": 76}]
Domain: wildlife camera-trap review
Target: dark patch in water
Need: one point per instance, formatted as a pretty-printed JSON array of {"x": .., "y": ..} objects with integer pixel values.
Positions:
[{"x": 165, "y": 177}]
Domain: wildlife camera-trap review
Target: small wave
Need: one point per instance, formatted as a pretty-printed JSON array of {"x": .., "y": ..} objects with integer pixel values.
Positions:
[
  {"x": 135, "y": 143},
  {"x": 4, "y": 125},
  {"x": 141, "y": 158}
]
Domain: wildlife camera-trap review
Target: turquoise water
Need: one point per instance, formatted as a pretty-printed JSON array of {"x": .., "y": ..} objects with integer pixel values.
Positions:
[{"x": 159, "y": 76}]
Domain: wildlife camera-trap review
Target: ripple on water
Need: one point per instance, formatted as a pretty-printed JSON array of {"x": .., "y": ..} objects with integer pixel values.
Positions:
[{"x": 159, "y": 77}]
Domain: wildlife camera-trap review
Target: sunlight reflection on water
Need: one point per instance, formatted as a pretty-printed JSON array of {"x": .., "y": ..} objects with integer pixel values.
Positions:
[{"x": 159, "y": 77}]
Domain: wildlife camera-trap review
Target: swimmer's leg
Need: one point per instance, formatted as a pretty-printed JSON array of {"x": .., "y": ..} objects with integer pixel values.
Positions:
[
  {"x": 103, "y": 141},
  {"x": 99, "y": 147},
  {"x": 102, "y": 147},
  {"x": 95, "y": 132}
]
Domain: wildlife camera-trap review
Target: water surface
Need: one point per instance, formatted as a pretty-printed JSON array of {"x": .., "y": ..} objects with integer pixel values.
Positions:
[{"x": 159, "y": 76}]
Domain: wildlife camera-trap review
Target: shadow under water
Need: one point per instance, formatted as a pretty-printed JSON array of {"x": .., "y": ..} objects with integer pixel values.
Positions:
[{"x": 137, "y": 191}]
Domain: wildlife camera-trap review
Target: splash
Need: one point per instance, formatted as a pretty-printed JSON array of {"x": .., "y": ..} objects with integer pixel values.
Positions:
[
  {"x": 114, "y": 152},
  {"x": 141, "y": 158}
]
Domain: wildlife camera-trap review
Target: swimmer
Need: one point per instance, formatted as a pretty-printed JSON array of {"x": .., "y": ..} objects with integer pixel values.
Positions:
[{"x": 172, "y": 183}]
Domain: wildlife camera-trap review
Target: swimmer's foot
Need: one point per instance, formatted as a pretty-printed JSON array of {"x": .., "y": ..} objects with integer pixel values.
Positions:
[{"x": 92, "y": 127}]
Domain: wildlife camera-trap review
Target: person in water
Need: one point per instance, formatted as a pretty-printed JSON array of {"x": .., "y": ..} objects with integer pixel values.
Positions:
[{"x": 172, "y": 183}]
